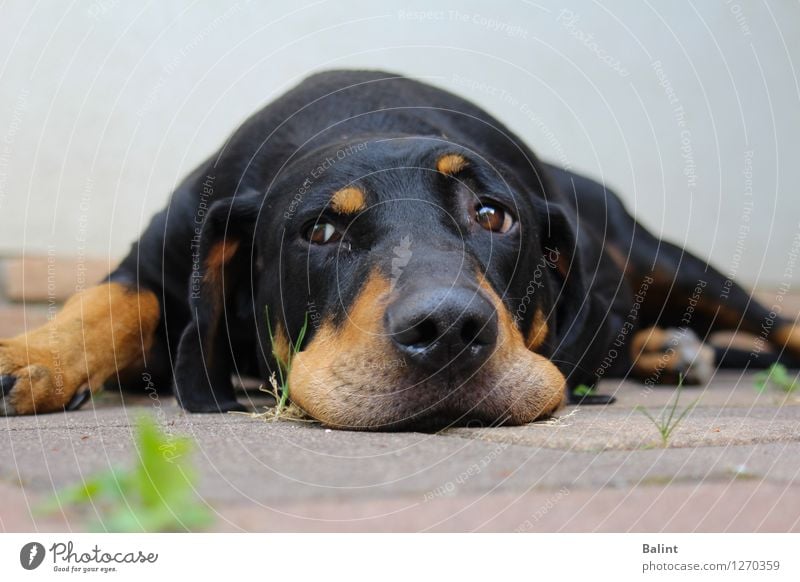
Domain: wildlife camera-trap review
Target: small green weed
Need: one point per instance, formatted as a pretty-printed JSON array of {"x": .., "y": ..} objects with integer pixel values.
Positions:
[
  {"x": 778, "y": 376},
  {"x": 285, "y": 366},
  {"x": 156, "y": 495},
  {"x": 279, "y": 384},
  {"x": 667, "y": 422},
  {"x": 583, "y": 390}
]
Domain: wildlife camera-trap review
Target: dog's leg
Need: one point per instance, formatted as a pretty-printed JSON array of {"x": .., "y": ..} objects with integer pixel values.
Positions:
[
  {"x": 667, "y": 356},
  {"x": 680, "y": 295},
  {"x": 99, "y": 332},
  {"x": 703, "y": 300}
]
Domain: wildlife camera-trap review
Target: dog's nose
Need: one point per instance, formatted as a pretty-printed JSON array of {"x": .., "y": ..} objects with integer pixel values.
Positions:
[{"x": 452, "y": 327}]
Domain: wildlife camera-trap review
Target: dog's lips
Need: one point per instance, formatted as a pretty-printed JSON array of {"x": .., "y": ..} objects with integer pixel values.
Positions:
[{"x": 519, "y": 391}]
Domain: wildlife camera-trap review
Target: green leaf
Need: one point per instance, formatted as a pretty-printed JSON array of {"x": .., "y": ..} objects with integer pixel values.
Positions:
[
  {"x": 776, "y": 375},
  {"x": 157, "y": 494}
]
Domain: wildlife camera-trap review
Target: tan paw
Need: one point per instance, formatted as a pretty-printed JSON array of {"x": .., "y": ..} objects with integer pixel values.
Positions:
[
  {"x": 787, "y": 338},
  {"x": 665, "y": 356},
  {"x": 31, "y": 380},
  {"x": 99, "y": 332}
]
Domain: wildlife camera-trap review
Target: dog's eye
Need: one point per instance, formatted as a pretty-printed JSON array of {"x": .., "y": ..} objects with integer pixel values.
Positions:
[
  {"x": 322, "y": 233},
  {"x": 493, "y": 217}
]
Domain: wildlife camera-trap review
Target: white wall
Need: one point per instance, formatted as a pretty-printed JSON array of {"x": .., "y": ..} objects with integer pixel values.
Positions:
[{"x": 105, "y": 105}]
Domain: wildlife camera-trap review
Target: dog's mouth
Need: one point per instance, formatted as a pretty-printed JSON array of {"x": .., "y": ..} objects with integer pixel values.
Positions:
[{"x": 376, "y": 371}]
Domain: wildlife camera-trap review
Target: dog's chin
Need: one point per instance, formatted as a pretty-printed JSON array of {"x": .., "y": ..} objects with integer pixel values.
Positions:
[{"x": 512, "y": 388}]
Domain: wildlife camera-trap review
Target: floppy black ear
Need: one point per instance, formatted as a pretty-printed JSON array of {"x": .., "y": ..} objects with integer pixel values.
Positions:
[
  {"x": 581, "y": 302},
  {"x": 561, "y": 253},
  {"x": 222, "y": 262}
]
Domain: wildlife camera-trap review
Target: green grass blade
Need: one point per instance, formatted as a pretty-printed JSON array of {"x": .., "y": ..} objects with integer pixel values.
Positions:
[
  {"x": 683, "y": 415},
  {"x": 675, "y": 400},
  {"x": 647, "y": 414},
  {"x": 284, "y": 368},
  {"x": 278, "y": 361},
  {"x": 302, "y": 335}
]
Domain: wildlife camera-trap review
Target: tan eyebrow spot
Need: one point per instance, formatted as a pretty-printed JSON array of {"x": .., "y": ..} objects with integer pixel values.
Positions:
[
  {"x": 348, "y": 200},
  {"x": 451, "y": 164}
]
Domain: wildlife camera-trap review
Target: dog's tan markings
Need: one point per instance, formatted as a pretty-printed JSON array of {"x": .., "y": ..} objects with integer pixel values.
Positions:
[
  {"x": 451, "y": 164},
  {"x": 788, "y": 337},
  {"x": 563, "y": 265},
  {"x": 538, "y": 385},
  {"x": 658, "y": 367},
  {"x": 618, "y": 257},
  {"x": 331, "y": 379},
  {"x": 670, "y": 356},
  {"x": 218, "y": 255},
  {"x": 99, "y": 332},
  {"x": 349, "y": 200},
  {"x": 280, "y": 343},
  {"x": 351, "y": 375},
  {"x": 538, "y": 331},
  {"x": 650, "y": 354},
  {"x": 652, "y": 339}
]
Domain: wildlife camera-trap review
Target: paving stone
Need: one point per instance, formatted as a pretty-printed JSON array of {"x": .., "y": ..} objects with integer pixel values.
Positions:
[
  {"x": 733, "y": 464},
  {"x": 707, "y": 507}
]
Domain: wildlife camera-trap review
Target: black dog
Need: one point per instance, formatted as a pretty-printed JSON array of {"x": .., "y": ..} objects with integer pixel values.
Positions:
[{"x": 441, "y": 273}]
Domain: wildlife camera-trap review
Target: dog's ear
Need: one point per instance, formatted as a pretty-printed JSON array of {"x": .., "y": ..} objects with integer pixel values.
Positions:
[
  {"x": 561, "y": 254},
  {"x": 222, "y": 264},
  {"x": 582, "y": 298},
  {"x": 574, "y": 305}
]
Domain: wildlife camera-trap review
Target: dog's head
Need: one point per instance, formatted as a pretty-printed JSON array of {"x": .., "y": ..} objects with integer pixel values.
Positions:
[{"x": 435, "y": 287}]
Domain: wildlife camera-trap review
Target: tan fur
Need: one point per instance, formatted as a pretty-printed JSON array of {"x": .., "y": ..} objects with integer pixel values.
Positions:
[
  {"x": 280, "y": 343},
  {"x": 648, "y": 350},
  {"x": 216, "y": 259},
  {"x": 788, "y": 337},
  {"x": 538, "y": 385},
  {"x": 336, "y": 352},
  {"x": 218, "y": 256},
  {"x": 671, "y": 356},
  {"x": 651, "y": 339},
  {"x": 348, "y": 200},
  {"x": 616, "y": 255},
  {"x": 451, "y": 164},
  {"x": 351, "y": 376},
  {"x": 538, "y": 332},
  {"x": 653, "y": 365},
  {"x": 99, "y": 332},
  {"x": 563, "y": 265}
]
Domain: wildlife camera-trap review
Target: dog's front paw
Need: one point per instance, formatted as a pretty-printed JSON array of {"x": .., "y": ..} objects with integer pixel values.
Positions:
[
  {"x": 30, "y": 381},
  {"x": 670, "y": 356},
  {"x": 694, "y": 361}
]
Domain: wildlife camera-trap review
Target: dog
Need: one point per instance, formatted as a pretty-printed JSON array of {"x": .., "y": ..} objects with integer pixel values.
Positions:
[{"x": 413, "y": 259}]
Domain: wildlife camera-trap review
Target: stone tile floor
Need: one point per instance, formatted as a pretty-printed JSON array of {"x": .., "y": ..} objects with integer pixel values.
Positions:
[{"x": 733, "y": 465}]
